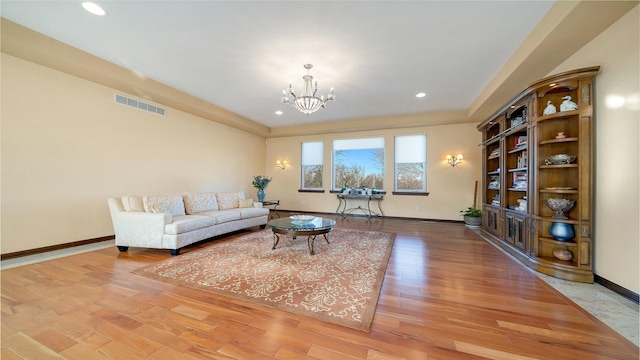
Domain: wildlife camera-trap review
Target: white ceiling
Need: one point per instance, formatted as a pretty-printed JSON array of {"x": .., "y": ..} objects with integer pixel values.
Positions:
[{"x": 240, "y": 55}]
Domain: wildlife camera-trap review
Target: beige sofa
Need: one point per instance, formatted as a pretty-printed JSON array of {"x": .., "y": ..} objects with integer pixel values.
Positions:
[{"x": 174, "y": 221}]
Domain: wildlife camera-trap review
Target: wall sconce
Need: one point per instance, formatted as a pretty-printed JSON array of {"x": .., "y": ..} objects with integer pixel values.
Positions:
[
  {"x": 453, "y": 161},
  {"x": 282, "y": 165}
]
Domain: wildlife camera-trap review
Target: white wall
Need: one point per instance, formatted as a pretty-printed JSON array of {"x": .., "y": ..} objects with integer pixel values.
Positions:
[
  {"x": 67, "y": 147},
  {"x": 617, "y": 197}
]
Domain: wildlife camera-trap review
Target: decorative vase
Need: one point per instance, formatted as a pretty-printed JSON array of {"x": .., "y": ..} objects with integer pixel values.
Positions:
[
  {"x": 261, "y": 195},
  {"x": 562, "y": 231}
]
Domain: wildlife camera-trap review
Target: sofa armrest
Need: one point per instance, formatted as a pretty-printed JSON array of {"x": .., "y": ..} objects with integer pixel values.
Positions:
[
  {"x": 257, "y": 204},
  {"x": 140, "y": 229}
]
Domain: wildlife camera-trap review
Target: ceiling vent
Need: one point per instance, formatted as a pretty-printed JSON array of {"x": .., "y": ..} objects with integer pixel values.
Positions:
[{"x": 121, "y": 99}]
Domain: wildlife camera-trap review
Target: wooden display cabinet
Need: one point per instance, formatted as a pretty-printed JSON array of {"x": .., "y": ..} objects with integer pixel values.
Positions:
[{"x": 523, "y": 146}]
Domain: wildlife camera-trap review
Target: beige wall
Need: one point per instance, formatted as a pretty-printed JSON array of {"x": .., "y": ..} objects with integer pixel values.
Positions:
[
  {"x": 451, "y": 189},
  {"x": 617, "y": 201},
  {"x": 66, "y": 147}
]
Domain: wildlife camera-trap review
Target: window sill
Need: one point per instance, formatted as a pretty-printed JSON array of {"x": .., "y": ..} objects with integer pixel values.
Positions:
[
  {"x": 414, "y": 193},
  {"x": 319, "y": 191}
]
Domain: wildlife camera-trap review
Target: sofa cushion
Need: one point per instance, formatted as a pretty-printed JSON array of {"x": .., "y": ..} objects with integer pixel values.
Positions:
[
  {"x": 185, "y": 223},
  {"x": 171, "y": 204},
  {"x": 199, "y": 202},
  {"x": 252, "y": 212},
  {"x": 245, "y": 203},
  {"x": 229, "y": 200},
  {"x": 168, "y": 217},
  {"x": 132, "y": 203},
  {"x": 223, "y": 216}
]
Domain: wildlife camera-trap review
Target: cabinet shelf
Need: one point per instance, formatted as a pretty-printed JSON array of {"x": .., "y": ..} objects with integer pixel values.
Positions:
[
  {"x": 552, "y": 260},
  {"x": 516, "y": 129},
  {"x": 558, "y": 166},
  {"x": 557, "y": 141},
  {"x": 559, "y": 191},
  {"x": 493, "y": 157},
  {"x": 550, "y": 219},
  {"x": 559, "y": 115},
  {"x": 495, "y": 172},
  {"x": 518, "y": 169},
  {"x": 517, "y": 189},
  {"x": 518, "y": 149},
  {"x": 570, "y": 243}
]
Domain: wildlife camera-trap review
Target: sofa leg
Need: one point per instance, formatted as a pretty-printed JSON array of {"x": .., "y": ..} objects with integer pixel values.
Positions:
[
  {"x": 123, "y": 248},
  {"x": 263, "y": 226},
  {"x": 174, "y": 252}
]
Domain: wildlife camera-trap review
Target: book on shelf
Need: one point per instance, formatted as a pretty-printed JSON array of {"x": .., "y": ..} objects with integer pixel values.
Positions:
[
  {"x": 496, "y": 200},
  {"x": 519, "y": 180},
  {"x": 520, "y": 141},
  {"x": 495, "y": 152},
  {"x": 522, "y": 160}
]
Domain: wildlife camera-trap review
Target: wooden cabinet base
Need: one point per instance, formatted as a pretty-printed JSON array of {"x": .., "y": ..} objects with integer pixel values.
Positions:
[{"x": 548, "y": 266}]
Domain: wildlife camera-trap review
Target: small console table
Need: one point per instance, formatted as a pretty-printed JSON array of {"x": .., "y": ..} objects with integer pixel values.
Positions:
[
  {"x": 273, "y": 203},
  {"x": 367, "y": 211}
]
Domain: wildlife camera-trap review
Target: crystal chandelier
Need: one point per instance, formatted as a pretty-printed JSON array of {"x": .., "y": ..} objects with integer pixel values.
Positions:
[{"x": 308, "y": 102}]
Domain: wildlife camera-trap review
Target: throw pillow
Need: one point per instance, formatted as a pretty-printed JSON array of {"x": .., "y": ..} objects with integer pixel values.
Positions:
[
  {"x": 200, "y": 202},
  {"x": 245, "y": 203},
  {"x": 229, "y": 200},
  {"x": 168, "y": 218},
  {"x": 171, "y": 204}
]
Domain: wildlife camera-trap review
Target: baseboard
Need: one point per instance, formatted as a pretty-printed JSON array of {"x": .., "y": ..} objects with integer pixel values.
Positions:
[
  {"x": 55, "y": 247},
  {"x": 375, "y": 217},
  {"x": 616, "y": 288}
]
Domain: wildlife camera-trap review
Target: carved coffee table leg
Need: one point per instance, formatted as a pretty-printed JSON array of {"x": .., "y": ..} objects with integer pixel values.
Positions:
[
  {"x": 276, "y": 239},
  {"x": 326, "y": 238},
  {"x": 310, "y": 240}
]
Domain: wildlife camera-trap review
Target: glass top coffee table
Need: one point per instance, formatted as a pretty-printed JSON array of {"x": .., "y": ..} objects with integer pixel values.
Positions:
[{"x": 298, "y": 226}]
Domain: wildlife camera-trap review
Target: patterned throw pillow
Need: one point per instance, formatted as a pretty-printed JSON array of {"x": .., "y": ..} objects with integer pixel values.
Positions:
[
  {"x": 170, "y": 204},
  {"x": 200, "y": 202},
  {"x": 229, "y": 200}
]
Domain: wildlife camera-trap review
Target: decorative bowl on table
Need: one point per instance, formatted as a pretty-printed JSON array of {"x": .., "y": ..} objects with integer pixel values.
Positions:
[
  {"x": 559, "y": 159},
  {"x": 301, "y": 219},
  {"x": 560, "y": 206}
]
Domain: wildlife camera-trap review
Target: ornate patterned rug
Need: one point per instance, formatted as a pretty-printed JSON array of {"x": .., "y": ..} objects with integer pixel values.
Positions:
[{"x": 340, "y": 284}]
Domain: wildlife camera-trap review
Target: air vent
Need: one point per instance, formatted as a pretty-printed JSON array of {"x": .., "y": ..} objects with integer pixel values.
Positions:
[{"x": 121, "y": 99}]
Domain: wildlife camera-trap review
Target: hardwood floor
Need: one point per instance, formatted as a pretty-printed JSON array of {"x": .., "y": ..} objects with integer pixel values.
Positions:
[{"x": 447, "y": 294}]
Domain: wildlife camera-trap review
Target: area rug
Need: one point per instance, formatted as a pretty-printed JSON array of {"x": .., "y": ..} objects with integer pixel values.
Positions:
[{"x": 340, "y": 284}]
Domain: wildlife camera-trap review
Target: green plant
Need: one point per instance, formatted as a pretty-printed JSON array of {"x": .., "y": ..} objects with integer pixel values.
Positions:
[
  {"x": 261, "y": 182},
  {"x": 471, "y": 212}
]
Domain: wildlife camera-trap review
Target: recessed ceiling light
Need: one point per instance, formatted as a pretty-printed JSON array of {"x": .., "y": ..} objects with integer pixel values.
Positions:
[
  {"x": 421, "y": 95},
  {"x": 278, "y": 112},
  {"x": 93, "y": 8}
]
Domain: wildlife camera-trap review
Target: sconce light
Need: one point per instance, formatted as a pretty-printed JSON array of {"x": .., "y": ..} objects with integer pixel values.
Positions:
[
  {"x": 453, "y": 161},
  {"x": 282, "y": 165}
]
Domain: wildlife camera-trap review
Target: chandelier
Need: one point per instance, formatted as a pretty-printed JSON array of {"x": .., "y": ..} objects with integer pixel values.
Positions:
[{"x": 308, "y": 102}]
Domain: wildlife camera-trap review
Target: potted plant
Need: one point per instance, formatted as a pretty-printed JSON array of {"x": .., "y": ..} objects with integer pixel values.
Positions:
[
  {"x": 472, "y": 217},
  {"x": 261, "y": 182}
]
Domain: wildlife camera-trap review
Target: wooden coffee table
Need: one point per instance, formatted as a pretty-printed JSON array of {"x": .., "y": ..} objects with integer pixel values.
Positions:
[{"x": 310, "y": 229}]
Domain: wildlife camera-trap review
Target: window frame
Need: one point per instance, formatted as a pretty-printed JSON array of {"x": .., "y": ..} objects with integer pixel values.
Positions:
[
  {"x": 337, "y": 187},
  {"x": 319, "y": 155},
  {"x": 397, "y": 153}
]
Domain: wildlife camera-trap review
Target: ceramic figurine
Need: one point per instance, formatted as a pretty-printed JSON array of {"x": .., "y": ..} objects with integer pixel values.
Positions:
[
  {"x": 567, "y": 104},
  {"x": 550, "y": 109}
]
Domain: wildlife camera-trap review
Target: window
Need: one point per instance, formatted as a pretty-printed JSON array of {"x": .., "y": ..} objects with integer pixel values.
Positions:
[
  {"x": 411, "y": 163},
  {"x": 312, "y": 162},
  {"x": 358, "y": 163}
]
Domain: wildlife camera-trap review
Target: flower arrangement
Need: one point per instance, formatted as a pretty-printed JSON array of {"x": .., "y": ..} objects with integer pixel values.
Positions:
[{"x": 261, "y": 182}]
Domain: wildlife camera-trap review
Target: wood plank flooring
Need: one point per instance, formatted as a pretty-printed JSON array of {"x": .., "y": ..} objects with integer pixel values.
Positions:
[{"x": 447, "y": 294}]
